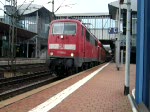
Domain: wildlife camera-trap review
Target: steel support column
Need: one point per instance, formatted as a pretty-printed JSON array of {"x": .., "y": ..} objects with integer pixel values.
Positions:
[
  {"x": 146, "y": 77},
  {"x": 140, "y": 52}
]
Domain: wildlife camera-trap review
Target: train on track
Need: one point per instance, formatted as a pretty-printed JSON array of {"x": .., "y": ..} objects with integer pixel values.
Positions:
[{"x": 72, "y": 47}]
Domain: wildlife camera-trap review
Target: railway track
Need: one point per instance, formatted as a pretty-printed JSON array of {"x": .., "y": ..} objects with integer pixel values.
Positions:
[
  {"x": 26, "y": 77},
  {"x": 35, "y": 77},
  {"x": 13, "y": 86}
]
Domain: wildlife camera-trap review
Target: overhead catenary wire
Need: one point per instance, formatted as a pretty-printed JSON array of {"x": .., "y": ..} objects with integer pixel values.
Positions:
[
  {"x": 2, "y": 2},
  {"x": 59, "y": 6},
  {"x": 20, "y": 6}
]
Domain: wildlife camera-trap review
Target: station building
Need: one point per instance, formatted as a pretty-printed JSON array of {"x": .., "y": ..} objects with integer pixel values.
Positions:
[{"x": 31, "y": 30}]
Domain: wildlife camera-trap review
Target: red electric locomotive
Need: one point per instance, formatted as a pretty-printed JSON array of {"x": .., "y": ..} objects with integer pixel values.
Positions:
[{"x": 71, "y": 46}]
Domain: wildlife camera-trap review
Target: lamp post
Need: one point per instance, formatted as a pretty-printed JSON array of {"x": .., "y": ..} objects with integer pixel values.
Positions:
[
  {"x": 52, "y": 16},
  {"x": 52, "y": 9},
  {"x": 53, "y": 6},
  {"x": 128, "y": 37},
  {"x": 119, "y": 35}
]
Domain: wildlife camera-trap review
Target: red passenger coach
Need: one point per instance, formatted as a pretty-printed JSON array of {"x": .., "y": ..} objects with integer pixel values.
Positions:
[{"x": 71, "y": 46}]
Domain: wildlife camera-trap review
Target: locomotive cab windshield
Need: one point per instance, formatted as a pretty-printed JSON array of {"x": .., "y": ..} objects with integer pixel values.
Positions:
[{"x": 64, "y": 28}]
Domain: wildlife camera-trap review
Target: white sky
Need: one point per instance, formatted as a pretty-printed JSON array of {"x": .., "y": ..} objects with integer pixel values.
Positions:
[{"x": 81, "y": 6}]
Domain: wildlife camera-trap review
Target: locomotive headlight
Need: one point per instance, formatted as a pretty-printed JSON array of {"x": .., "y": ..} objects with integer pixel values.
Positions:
[
  {"x": 61, "y": 36},
  {"x": 72, "y": 55},
  {"x": 51, "y": 53}
]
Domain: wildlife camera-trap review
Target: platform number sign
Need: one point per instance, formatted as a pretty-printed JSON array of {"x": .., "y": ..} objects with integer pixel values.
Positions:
[{"x": 113, "y": 31}]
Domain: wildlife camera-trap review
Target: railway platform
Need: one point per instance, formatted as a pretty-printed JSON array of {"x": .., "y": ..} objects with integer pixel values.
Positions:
[
  {"x": 99, "y": 89},
  {"x": 4, "y": 61}
]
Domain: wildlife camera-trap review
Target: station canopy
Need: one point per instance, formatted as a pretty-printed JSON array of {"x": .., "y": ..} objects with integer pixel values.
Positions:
[
  {"x": 113, "y": 6},
  {"x": 21, "y": 33}
]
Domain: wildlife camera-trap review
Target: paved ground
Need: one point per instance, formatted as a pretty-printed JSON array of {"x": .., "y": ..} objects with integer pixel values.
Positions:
[{"x": 102, "y": 93}]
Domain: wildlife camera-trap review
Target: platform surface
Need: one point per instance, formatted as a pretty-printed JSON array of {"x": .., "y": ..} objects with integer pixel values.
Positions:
[{"x": 101, "y": 93}]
